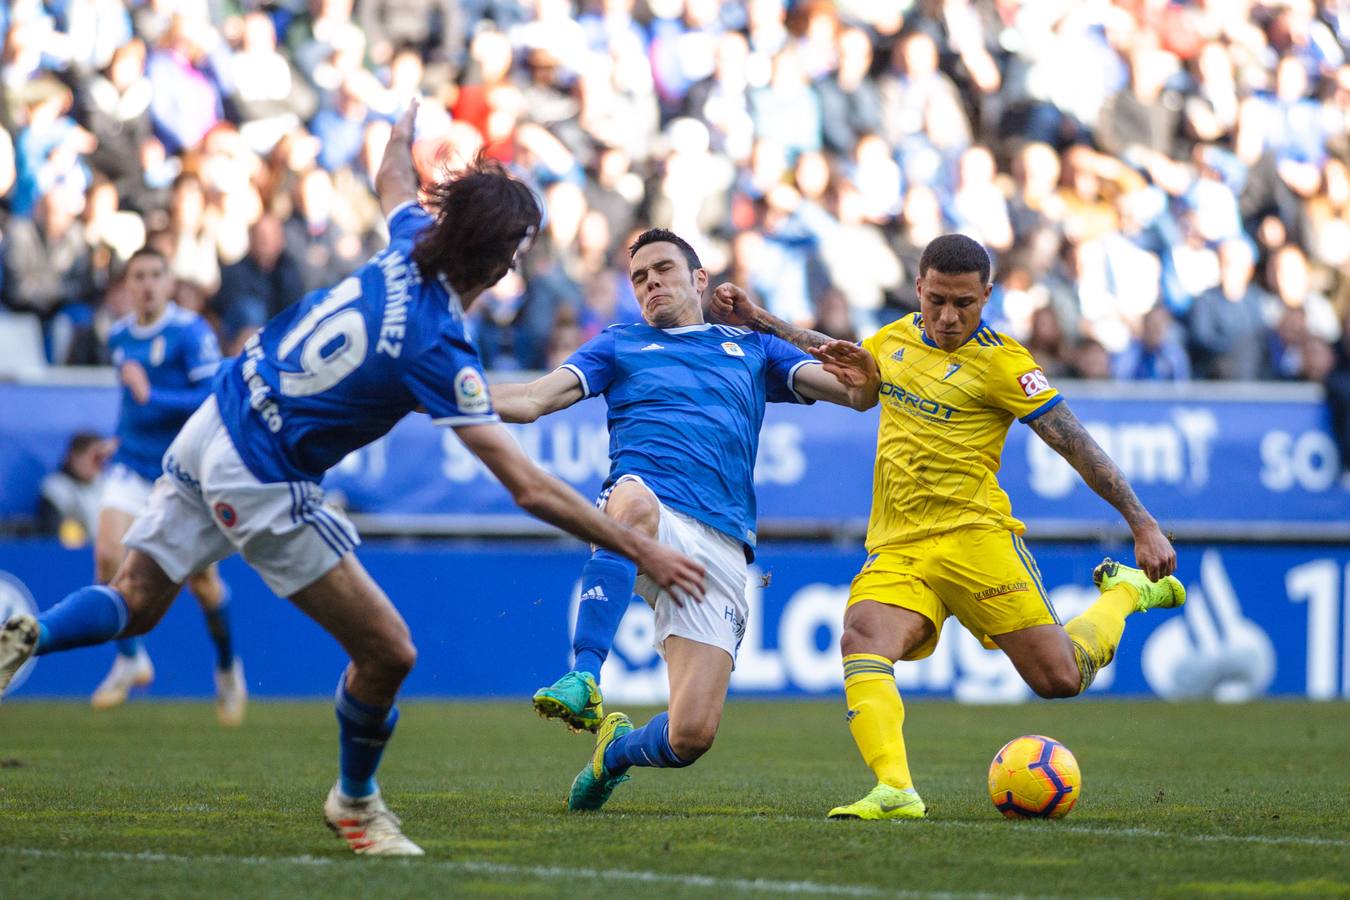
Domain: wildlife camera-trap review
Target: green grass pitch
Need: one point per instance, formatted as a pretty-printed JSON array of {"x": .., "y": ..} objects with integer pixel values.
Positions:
[{"x": 1190, "y": 800}]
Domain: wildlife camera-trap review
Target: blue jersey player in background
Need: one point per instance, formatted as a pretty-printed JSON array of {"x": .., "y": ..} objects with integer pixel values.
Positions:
[
  {"x": 686, "y": 400},
  {"x": 330, "y": 374},
  {"x": 166, "y": 358}
]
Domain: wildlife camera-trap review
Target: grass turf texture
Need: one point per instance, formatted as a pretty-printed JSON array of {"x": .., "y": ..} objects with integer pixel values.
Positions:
[{"x": 155, "y": 800}]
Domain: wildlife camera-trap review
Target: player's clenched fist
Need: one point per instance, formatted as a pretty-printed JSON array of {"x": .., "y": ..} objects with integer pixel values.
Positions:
[{"x": 732, "y": 305}]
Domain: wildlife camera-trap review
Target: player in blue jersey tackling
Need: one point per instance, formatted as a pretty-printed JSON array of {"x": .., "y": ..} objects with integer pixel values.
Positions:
[
  {"x": 330, "y": 374},
  {"x": 686, "y": 400},
  {"x": 166, "y": 358}
]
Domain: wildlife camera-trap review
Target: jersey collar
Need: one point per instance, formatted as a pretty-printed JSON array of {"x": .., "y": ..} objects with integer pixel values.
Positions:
[
  {"x": 923, "y": 335},
  {"x": 686, "y": 329},
  {"x": 140, "y": 331}
]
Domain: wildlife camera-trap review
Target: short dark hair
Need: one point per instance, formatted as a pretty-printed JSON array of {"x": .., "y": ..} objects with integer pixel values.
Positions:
[
  {"x": 955, "y": 254},
  {"x": 80, "y": 441},
  {"x": 482, "y": 215},
  {"x": 146, "y": 252},
  {"x": 666, "y": 236}
]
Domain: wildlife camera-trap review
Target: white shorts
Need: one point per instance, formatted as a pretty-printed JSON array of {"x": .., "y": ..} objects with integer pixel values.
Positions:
[
  {"x": 720, "y": 619},
  {"x": 208, "y": 505},
  {"x": 124, "y": 491}
]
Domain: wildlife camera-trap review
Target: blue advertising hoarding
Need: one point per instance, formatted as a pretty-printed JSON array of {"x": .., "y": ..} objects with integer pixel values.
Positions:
[
  {"x": 1240, "y": 462},
  {"x": 493, "y": 619}
]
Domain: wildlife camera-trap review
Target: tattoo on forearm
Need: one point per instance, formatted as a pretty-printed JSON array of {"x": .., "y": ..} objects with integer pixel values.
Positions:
[
  {"x": 1061, "y": 429},
  {"x": 802, "y": 338}
]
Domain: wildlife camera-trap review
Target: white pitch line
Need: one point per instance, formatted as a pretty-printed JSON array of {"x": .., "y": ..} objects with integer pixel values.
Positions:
[
  {"x": 479, "y": 867},
  {"x": 1292, "y": 840}
]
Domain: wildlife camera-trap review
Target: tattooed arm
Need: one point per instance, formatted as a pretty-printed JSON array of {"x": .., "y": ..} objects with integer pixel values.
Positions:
[
  {"x": 732, "y": 306},
  {"x": 1062, "y": 431}
]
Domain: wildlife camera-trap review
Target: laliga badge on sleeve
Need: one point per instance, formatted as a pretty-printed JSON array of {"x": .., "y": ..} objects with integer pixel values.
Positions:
[{"x": 470, "y": 393}]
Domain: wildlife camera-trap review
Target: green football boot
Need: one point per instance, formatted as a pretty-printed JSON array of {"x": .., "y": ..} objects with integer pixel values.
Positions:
[
  {"x": 594, "y": 784},
  {"x": 1168, "y": 593},
  {"x": 883, "y": 802},
  {"x": 575, "y": 698}
]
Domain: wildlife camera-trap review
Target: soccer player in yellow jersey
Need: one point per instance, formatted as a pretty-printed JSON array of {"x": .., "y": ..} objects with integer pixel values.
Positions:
[{"x": 942, "y": 540}]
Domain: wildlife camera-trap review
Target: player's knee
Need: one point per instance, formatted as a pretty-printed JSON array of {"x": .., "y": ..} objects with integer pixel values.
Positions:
[
  {"x": 1058, "y": 683},
  {"x": 399, "y": 658},
  {"x": 853, "y": 641},
  {"x": 635, "y": 506},
  {"x": 690, "y": 740}
]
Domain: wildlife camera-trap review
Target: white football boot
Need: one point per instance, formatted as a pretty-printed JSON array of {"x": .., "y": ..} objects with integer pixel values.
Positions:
[
  {"x": 18, "y": 640},
  {"x": 367, "y": 825},
  {"x": 127, "y": 672},
  {"x": 231, "y": 694}
]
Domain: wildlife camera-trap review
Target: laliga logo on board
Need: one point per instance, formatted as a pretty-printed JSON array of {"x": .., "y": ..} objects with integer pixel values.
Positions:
[
  {"x": 15, "y": 599},
  {"x": 1212, "y": 649}
]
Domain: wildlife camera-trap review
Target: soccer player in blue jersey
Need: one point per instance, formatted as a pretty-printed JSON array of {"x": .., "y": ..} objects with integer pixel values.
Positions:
[
  {"x": 327, "y": 375},
  {"x": 166, "y": 358},
  {"x": 686, "y": 400}
]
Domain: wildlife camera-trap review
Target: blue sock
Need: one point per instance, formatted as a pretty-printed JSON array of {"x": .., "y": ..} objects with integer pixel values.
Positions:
[
  {"x": 128, "y": 647},
  {"x": 91, "y": 615},
  {"x": 646, "y": 746},
  {"x": 363, "y": 730},
  {"x": 606, "y": 587},
  {"x": 218, "y": 626}
]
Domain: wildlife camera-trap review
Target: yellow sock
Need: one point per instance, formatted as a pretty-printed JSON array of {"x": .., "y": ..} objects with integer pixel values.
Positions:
[
  {"x": 876, "y": 716},
  {"x": 1097, "y": 631}
]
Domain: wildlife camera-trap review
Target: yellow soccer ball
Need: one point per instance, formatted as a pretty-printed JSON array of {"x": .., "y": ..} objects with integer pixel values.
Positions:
[{"x": 1034, "y": 777}]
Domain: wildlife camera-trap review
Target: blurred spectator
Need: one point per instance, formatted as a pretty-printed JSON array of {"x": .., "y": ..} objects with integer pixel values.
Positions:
[
  {"x": 69, "y": 502},
  {"x": 260, "y": 285},
  {"x": 48, "y": 263},
  {"x": 185, "y": 101},
  {"x": 324, "y": 251},
  {"x": 1089, "y": 360},
  {"x": 1157, "y": 354},
  {"x": 1227, "y": 323},
  {"x": 786, "y": 110},
  {"x": 116, "y": 107},
  {"x": 267, "y": 94},
  {"x": 50, "y": 147},
  {"x": 1291, "y": 279},
  {"x": 850, "y": 103},
  {"x": 193, "y": 257},
  {"x": 1047, "y": 343}
]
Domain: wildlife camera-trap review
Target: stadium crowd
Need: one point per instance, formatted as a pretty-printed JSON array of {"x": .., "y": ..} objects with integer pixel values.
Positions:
[{"x": 1165, "y": 186}]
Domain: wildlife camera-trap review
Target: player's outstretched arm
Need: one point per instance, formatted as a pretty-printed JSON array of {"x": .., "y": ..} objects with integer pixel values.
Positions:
[
  {"x": 548, "y": 498},
  {"x": 733, "y": 306},
  {"x": 523, "y": 403},
  {"x": 396, "y": 182},
  {"x": 1061, "y": 430},
  {"x": 847, "y": 375}
]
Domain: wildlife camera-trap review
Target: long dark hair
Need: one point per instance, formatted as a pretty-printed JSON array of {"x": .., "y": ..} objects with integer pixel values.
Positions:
[{"x": 482, "y": 215}]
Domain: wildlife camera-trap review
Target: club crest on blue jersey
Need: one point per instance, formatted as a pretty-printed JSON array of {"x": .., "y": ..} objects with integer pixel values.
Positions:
[{"x": 732, "y": 348}]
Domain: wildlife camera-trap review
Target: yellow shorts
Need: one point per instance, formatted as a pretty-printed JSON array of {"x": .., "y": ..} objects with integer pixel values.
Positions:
[{"x": 984, "y": 576}]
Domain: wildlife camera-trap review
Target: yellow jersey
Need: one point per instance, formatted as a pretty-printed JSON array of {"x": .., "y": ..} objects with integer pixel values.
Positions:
[{"x": 944, "y": 420}]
